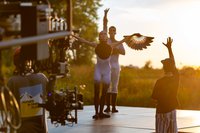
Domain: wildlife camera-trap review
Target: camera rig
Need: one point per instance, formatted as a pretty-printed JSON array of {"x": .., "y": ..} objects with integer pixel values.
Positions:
[
  {"x": 34, "y": 19},
  {"x": 62, "y": 103}
]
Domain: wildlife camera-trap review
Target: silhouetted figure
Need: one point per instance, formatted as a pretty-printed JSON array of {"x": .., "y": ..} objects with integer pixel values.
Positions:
[
  {"x": 29, "y": 89},
  {"x": 111, "y": 96},
  {"x": 165, "y": 94}
]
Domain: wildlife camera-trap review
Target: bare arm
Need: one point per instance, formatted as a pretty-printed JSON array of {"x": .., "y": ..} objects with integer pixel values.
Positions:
[
  {"x": 105, "y": 20},
  {"x": 169, "y": 47},
  {"x": 115, "y": 44},
  {"x": 119, "y": 50},
  {"x": 92, "y": 44}
]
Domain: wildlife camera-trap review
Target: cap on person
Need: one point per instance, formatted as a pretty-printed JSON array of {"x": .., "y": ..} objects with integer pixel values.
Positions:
[
  {"x": 168, "y": 64},
  {"x": 166, "y": 61}
]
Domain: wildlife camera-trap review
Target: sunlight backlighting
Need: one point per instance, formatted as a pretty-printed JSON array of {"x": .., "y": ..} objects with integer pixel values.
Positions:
[{"x": 160, "y": 19}]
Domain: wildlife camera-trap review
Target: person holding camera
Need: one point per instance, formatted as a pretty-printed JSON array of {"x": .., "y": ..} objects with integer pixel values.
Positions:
[
  {"x": 111, "y": 96},
  {"x": 165, "y": 94},
  {"x": 29, "y": 89}
]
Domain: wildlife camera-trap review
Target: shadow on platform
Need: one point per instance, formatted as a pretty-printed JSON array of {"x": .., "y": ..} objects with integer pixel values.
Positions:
[{"x": 127, "y": 120}]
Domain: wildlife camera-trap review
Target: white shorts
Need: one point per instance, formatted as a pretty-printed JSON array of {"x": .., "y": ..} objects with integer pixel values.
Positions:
[{"x": 102, "y": 72}]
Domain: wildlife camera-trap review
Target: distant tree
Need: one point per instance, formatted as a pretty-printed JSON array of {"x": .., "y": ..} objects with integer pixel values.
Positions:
[
  {"x": 188, "y": 71},
  {"x": 148, "y": 65},
  {"x": 84, "y": 18}
]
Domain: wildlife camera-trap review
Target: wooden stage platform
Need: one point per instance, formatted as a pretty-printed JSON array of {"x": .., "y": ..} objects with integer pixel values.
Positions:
[{"x": 127, "y": 120}]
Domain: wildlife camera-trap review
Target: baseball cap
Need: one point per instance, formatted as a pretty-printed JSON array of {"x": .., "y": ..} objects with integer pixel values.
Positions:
[
  {"x": 168, "y": 64},
  {"x": 167, "y": 61}
]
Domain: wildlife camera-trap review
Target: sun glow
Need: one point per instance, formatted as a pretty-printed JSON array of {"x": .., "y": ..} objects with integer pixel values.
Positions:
[{"x": 179, "y": 19}]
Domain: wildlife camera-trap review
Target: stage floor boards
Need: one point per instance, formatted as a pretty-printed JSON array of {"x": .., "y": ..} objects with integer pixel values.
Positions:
[{"x": 127, "y": 120}]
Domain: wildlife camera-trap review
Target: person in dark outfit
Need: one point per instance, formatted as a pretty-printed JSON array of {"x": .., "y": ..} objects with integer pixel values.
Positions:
[{"x": 165, "y": 94}]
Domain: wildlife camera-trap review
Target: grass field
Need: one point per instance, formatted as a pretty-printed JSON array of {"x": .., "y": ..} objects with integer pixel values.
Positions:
[{"x": 135, "y": 85}]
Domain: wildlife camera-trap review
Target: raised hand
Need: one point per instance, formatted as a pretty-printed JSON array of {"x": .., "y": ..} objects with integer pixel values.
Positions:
[
  {"x": 105, "y": 19},
  {"x": 106, "y": 11},
  {"x": 127, "y": 38},
  {"x": 169, "y": 42},
  {"x": 105, "y": 14},
  {"x": 169, "y": 47}
]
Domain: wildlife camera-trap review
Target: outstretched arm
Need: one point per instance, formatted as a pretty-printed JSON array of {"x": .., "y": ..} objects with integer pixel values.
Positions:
[
  {"x": 105, "y": 20},
  {"x": 93, "y": 44},
  {"x": 119, "y": 50},
  {"x": 169, "y": 47},
  {"x": 115, "y": 44}
]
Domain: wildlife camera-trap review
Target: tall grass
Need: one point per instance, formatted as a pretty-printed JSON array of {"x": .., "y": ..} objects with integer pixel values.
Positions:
[{"x": 136, "y": 85}]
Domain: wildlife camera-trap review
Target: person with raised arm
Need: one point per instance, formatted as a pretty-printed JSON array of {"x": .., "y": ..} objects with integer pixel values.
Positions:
[
  {"x": 165, "y": 94},
  {"x": 102, "y": 72},
  {"x": 111, "y": 96}
]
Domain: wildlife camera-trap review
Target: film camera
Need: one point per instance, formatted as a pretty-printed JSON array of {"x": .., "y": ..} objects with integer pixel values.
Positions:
[
  {"x": 34, "y": 19},
  {"x": 60, "y": 104}
]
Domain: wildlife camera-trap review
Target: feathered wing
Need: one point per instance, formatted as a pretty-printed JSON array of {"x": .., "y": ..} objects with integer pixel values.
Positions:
[{"x": 139, "y": 42}]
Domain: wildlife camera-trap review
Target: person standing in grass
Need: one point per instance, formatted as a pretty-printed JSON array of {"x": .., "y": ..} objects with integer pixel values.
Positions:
[
  {"x": 111, "y": 96},
  {"x": 165, "y": 94}
]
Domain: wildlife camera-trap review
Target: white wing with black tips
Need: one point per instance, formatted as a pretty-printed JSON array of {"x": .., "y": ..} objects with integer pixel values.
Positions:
[{"x": 139, "y": 42}]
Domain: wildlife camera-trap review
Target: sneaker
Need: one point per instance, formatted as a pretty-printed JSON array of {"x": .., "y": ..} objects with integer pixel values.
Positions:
[
  {"x": 114, "y": 110},
  {"x": 107, "y": 110},
  {"x": 102, "y": 115},
  {"x": 96, "y": 116}
]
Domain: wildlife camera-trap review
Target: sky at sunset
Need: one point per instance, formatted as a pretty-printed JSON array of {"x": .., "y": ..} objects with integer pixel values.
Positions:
[{"x": 179, "y": 19}]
